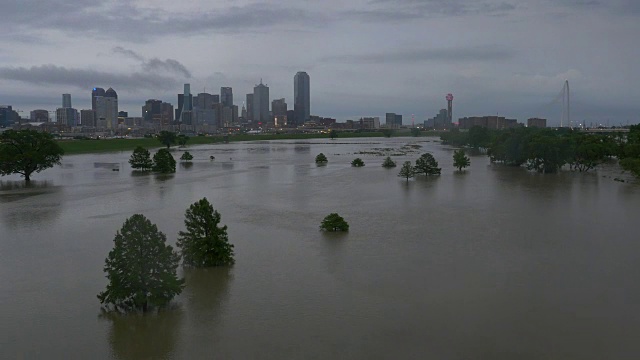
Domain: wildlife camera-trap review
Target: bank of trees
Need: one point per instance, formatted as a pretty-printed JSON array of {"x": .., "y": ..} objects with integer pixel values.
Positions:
[
  {"x": 543, "y": 150},
  {"x": 629, "y": 151},
  {"x": 141, "y": 267}
]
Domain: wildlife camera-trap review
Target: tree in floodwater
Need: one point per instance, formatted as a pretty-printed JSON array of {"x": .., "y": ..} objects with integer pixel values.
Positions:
[
  {"x": 334, "y": 222},
  {"x": 427, "y": 164},
  {"x": 460, "y": 160},
  {"x": 357, "y": 162},
  {"x": 27, "y": 151},
  {"x": 141, "y": 159},
  {"x": 141, "y": 268},
  {"x": 204, "y": 243},
  {"x": 321, "y": 159},
  {"x": 407, "y": 171},
  {"x": 186, "y": 156},
  {"x": 163, "y": 162},
  {"x": 388, "y": 163}
]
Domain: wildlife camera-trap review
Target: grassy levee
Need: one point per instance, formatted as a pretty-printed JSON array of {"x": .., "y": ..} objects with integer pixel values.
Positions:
[{"x": 72, "y": 147}]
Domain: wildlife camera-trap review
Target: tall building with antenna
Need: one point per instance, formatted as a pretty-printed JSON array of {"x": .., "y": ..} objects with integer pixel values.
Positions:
[
  {"x": 261, "y": 103},
  {"x": 449, "y": 111}
]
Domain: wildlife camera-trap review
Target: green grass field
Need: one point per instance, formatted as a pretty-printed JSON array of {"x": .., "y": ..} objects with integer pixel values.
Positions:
[{"x": 111, "y": 145}]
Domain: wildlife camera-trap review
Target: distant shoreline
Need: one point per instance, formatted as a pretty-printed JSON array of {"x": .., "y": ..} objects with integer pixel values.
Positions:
[{"x": 74, "y": 147}]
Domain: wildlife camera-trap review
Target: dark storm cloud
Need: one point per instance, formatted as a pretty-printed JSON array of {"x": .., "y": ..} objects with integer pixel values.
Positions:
[
  {"x": 471, "y": 54},
  {"x": 393, "y": 10},
  {"x": 155, "y": 65},
  {"x": 122, "y": 20},
  {"x": 128, "y": 53},
  {"x": 171, "y": 65},
  {"x": 84, "y": 78}
]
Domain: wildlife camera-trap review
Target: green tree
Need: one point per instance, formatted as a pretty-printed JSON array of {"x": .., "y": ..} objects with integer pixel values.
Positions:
[
  {"x": 547, "y": 152},
  {"x": 478, "y": 137},
  {"x": 321, "y": 158},
  {"x": 587, "y": 151},
  {"x": 632, "y": 165},
  {"x": 415, "y": 132},
  {"x": 186, "y": 156},
  {"x": 27, "y": 151},
  {"x": 182, "y": 139},
  {"x": 333, "y": 134},
  {"x": 387, "y": 132},
  {"x": 460, "y": 160},
  {"x": 141, "y": 159},
  {"x": 629, "y": 152},
  {"x": 511, "y": 146},
  {"x": 388, "y": 163},
  {"x": 163, "y": 162},
  {"x": 357, "y": 162},
  {"x": 141, "y": 268},
  {"x": 204, "y": 243},
  {"x": 406, "y": 171},
  {"x": 334, "y": 222},
  {"x": 167, "y": 138},
  {"x": 427, "y": 164}
]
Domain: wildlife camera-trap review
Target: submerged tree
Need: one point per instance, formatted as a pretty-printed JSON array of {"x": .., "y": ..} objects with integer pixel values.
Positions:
[
  {"x": 186, "y": 156},
  {"x": 388, "y": 163},
  {"x": 460, "y": 160},
  {"x": 141, "y": 268},
  {"x": 163, "y": 162},
  {"x": 406, "y": 171},
  {"x": 27, "y": 151},
  {"x": 334, "y": 222},
  {"x": 333, "y": 134},
  {"x": 427, "y": 164},
  {"x": 321, "y": 158},
  {"x": 357, "y": 162},
  {"x": 204, "y": 243},
  {"x": 141, "y": 159}
]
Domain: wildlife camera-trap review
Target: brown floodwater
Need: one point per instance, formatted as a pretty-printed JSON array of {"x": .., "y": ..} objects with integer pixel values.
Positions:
[{"x": 492, "y": 263}]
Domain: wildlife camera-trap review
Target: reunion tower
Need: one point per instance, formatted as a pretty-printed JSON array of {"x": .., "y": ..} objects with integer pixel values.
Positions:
[{"x": 449, "y": 110}]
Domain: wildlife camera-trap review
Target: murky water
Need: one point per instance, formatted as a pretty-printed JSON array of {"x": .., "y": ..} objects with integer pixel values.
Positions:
[{"x": 494, "y": 263}]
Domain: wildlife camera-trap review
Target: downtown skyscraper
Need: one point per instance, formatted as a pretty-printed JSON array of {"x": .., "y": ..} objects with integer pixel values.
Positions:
[
  {"x": 301, "y": 98},
  {"x": 261, "y": 103}
]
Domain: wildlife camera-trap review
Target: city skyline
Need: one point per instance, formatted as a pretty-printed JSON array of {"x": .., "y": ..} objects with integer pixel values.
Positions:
[{"x": 367, "y": 58}]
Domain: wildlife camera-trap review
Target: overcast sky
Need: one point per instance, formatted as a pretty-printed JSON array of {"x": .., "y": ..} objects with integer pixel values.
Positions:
[{"x": 364, "y": 57}]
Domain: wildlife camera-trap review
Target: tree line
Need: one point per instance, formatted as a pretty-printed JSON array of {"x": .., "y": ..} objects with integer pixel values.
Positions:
[{"x": 548, "y": 150}]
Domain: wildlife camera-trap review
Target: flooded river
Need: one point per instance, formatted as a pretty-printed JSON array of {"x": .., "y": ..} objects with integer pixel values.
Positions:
[{"x": 492, "y": 263}]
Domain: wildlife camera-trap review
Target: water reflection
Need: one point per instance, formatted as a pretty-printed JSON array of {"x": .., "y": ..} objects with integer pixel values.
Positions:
[
  {"x": 33, "y": 203},
  {"x": 206, "y": 291},
  {"x": 22, "y": 188},
  {"x": 144, "y": 336},
  {"x": 160, "y": 178}
]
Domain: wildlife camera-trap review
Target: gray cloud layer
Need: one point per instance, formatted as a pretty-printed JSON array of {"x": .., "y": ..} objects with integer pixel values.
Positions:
[
  {"x": 155, "y": 65},
  {"x": 471, "y": 54},
  {"x": 123, "y": 20},
  {"x": 85, "y": 79},
  {"x": 393, "y": 10}
]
